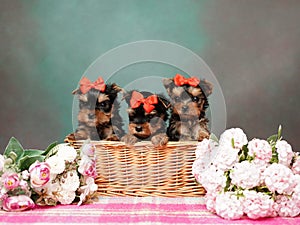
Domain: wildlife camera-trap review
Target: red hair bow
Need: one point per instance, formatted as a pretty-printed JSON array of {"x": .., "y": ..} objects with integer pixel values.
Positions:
[
  {"x": 86, "y": 85},
  {"x": 179, "y": 80},
  {"x": 137, "y": 99}
]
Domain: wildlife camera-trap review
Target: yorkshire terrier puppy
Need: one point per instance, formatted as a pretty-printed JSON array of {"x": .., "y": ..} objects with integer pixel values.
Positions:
[
  {"x": 147, "y": 118},
  {"x": 98, "y": 117},
  {"x": 189, "y": 103}
]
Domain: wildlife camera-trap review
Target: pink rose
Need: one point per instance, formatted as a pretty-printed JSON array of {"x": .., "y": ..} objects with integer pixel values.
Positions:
[
  {"x": 10, "y": 181},
  {"x": 39, "y": 174},
  {"x": 87, "y": 167},
  {"x": 18, "y": 203}
]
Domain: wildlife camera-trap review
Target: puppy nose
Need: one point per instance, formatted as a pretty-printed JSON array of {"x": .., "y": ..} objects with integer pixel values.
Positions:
[
  {"x": 185, "y": 108},
  {"x": 138, "y": 128},
  {"x": 91, "y": 116}
]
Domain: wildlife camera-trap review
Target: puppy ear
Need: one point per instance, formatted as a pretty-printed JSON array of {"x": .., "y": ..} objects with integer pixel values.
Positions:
[
  {"x": 168, "y": 83},
  {"x": 81, "y": 97},
  {"x": 116, "y": 88},
  {"x": 206, "y": 87}
]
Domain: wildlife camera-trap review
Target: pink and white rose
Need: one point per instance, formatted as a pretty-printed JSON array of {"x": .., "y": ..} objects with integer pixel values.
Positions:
[
  {"x": 296, "y": 193},
  {"x": 10, "y": 180},
  {"x": 205, "y": 154},
  {"x": 245, "y": 175},
  {"x": 87, "y": 167},
  {"x": 261, "y": 150},
  {"x": 226, "y": 158},
  {"x": 285, "y": 152},
  {"x": 237, "y": 135},
  {"x": 205, "y": 147},
  {"x": 229, "y": 206},
  {"x": 18, "y": 203},
  {"x": 39, "y": 174},
  {"x": 212, "y": 180},
  {"x": 279, "y": 178},
  {"x": 257, "y": 205},
  {"x": 286, "y": 206},
  {"x": 88, "y": 149},
  {"x": 210, "y": 201}
]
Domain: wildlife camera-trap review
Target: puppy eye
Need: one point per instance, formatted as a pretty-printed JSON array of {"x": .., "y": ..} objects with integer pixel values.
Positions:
[
  {"x": 195, "y": 99},
  {"x": 103, "y": 104},
  {"x": 150, "y": 116}
]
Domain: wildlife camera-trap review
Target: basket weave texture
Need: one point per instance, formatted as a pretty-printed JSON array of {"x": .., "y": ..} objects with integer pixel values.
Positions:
[{"x": 143, "y": 170}]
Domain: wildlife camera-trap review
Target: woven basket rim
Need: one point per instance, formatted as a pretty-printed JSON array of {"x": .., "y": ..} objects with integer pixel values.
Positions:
[{"x": 138, "y": 144}]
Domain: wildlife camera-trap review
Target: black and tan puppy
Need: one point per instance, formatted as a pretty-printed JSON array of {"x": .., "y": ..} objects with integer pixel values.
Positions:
[
  {"x": 147, "y": 118},
  {"x": 189, "y": 103},
  {"x": 98, "y": 117}
]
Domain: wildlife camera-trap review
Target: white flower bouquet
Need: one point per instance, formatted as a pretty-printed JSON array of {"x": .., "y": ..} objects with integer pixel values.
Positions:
[
  {"x": 58, "y": 175},
  {"x": 259, "y": 178}
]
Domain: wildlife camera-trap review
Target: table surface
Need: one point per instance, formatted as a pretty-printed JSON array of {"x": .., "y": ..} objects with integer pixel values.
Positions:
[{"x": 131, "y": 210}]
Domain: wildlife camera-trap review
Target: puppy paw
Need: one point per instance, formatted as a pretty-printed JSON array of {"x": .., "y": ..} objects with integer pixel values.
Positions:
[
  {"x": 160, "y": 140},
  {"x": 77, "y": 136},
  {"x": 112, "y": 138},
  {"x": 203, "y": 134},
  {"x": 71, "y": 137},
  {"x": 129, "y": 139}
]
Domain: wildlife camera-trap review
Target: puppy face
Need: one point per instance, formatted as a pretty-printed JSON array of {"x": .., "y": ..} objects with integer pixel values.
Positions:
[
  {"x": 143, "y": 123},
  {"x": 189, "y": 102},
  {"x": 96, "y": 107}
]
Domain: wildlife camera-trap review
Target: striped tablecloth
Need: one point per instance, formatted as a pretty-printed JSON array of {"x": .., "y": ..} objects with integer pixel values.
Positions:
[{"x": 131, "y": 211}]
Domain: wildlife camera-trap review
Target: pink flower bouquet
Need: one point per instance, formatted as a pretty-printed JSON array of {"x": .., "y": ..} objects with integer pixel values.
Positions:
[
  {"x": 256, "y": 178},
  {"x": 58, "y": 175}
]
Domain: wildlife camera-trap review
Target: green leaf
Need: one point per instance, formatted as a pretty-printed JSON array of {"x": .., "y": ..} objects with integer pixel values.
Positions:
[
  {"x": 213, "y": 137},
  {"x": 274, "y": 158},
  {"x": 279, "y": 132},
  {"x": 14, "y": 150},
  {"x": 228, "y": 181},
  {"x": 26, "y": 161},
  {"x": 31, "y": 152},
  {"x": 232, "y": 142},
  {"x": 272, "y": 139},
  {"x": 49, "y": 148}
]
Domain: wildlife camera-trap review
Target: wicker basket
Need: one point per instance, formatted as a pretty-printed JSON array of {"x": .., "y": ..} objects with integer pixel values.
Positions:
[{"x": 145, "y": 171}]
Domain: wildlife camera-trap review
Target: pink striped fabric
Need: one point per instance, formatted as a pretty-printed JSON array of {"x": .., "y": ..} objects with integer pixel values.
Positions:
[{"x": 131, "y": 211}]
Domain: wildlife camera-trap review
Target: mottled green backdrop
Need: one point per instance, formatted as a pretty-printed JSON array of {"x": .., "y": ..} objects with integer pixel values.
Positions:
[{"x": 253, "y": 48}]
